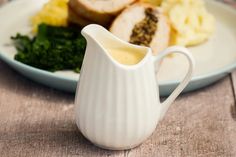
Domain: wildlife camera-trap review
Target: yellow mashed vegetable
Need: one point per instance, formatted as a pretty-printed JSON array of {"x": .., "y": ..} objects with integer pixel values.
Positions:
[
  {"x": 190, "y": 21},
  {"x": 54, "y": 13}
]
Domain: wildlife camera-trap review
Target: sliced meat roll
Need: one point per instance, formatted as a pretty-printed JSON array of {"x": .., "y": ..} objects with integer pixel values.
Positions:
[
  {"x": 76, "y": 19},
  {"x": 143, "y": 24},
  {"x": 99, "y": 11}
]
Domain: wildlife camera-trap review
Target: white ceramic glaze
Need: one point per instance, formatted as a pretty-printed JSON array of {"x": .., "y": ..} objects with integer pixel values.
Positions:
[{"x": 118, "y": 106}]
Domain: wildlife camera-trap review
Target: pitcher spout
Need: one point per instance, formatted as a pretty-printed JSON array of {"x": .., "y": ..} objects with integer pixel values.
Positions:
[
  {"x": 92, "y": 31},
  {"x": 113, "y": 47},
  {"x": 98, "y": 34}
]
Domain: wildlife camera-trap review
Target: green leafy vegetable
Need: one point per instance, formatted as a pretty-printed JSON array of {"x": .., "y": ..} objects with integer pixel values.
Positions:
[{"x": 53, "y": 48}]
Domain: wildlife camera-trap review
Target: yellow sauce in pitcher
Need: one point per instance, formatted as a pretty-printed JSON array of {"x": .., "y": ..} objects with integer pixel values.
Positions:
[{"x": 127, "y": 57}]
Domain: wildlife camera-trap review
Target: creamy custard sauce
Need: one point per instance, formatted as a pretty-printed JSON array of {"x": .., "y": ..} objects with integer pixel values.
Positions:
[{"x": 127, "y": 57}]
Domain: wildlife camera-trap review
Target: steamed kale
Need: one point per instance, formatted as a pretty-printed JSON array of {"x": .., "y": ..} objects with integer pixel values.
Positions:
[{"x": 53, "y": 48}]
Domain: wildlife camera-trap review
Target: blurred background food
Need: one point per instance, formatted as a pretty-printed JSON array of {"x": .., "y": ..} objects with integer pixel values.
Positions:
[
  {"x": 149, "y": 27},
  {"x": 152, "y": 23},
  {"x": 53, "y": 48},
  {"x": 96, "y": 11},
  {"x": 190, "y": 21},
  {"x": 54, "y": 13}
]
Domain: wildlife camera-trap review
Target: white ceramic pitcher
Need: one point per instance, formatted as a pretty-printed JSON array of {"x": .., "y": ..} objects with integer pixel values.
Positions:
[{"x": 118, "y": 106}]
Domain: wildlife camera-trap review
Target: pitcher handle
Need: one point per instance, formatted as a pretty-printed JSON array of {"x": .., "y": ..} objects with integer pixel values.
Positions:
[{"x": 182, "y": 50}]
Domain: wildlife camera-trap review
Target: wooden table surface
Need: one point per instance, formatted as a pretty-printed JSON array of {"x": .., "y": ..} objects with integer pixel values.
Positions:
[{"x": 39, "y": 121}]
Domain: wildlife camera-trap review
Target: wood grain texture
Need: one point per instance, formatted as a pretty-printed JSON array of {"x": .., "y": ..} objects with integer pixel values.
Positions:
[
  {"x": 200, "y": 123},
  {"x": 39, "y": 121}
]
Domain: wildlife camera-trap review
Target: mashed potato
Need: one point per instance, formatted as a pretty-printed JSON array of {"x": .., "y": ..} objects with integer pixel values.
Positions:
[
  {"x": 190, "y": 21},
  {"x": 54, "y": 13}
]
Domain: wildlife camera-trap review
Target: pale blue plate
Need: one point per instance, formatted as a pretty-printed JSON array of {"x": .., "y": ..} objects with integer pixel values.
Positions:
[{"x": 214, "y": 59}]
